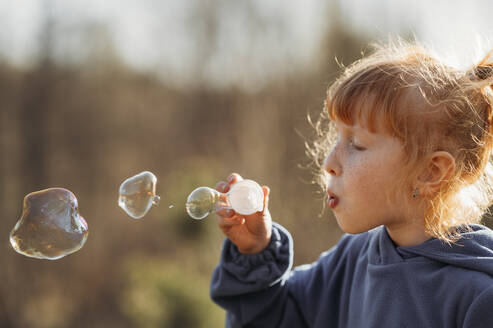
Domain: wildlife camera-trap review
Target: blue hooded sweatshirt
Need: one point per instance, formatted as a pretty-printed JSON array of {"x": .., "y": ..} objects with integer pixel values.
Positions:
[{"x": 364, "y": 281}]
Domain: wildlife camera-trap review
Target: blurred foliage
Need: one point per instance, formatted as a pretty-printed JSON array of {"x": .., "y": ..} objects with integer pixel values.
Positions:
[
  {"x": 87, "y": 126},
  {"x": 198, "y": 172},
  {"x": 158, "y": 294}
]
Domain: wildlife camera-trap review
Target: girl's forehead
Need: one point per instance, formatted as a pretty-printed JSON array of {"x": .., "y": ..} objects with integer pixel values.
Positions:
[
  {"x": 356, "y": 126},
  {"x": 376, "y": 140},
  {"x": 360, "y": 126}
]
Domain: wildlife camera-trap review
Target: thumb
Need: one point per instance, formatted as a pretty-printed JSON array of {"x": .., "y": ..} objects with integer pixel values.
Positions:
[{"x": 266, "y": 191}]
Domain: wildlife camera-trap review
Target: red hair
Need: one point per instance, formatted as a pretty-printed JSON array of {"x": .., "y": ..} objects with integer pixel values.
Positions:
[{"x": 409, "y": 94}]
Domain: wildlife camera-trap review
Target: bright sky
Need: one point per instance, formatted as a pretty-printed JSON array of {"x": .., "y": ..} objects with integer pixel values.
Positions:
[
  {"x": 154, "y": 35},
  {"x": 460, "y": 30}
]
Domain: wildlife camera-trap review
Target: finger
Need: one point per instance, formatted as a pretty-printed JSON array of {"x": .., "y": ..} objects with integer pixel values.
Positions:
[
  {"x": 221, "y": 186},
  {"x": 266, "y": 191},
  {"x": 223, "y": 211},
  {"x": 225, "y": 223},
  {"x": 234, "y": 178}
]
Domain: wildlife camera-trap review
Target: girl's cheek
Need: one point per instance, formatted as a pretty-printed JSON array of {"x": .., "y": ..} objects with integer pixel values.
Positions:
[
  {"x": 359, "y": 168},
  {"x": 354, "y": 159}
]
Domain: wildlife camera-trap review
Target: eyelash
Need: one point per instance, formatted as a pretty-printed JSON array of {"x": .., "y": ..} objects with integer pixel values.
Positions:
[
  {"x": 352, "y": 144},
  {"x": 355, "y": 146}
]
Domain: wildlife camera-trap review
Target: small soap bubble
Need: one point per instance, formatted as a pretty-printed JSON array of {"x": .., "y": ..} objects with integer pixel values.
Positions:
[
  {"x": 245, "y": 197},
  {"x": 50, "y": 226},
  {"x": 201, "y": 201},
  {"x": 138, "y": 194},
  {"x": 171, "y": 206}
]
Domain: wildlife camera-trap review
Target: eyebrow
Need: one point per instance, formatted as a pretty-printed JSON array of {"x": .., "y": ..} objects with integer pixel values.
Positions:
[{"x": 361, "y": 130}]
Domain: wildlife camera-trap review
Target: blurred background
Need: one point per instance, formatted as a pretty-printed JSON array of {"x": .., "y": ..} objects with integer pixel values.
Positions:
[{"x": 93, "y": 92}]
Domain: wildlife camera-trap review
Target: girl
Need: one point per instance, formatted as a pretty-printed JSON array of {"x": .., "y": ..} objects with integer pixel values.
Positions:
[{"x": 407, "y": 177}]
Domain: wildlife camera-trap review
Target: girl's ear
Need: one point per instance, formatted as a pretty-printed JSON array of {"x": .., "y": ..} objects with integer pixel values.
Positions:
[{"x": 440, "y": 168}]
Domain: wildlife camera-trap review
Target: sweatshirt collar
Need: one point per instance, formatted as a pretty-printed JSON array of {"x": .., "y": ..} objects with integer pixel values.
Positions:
[{"x": 382, "y": 250}]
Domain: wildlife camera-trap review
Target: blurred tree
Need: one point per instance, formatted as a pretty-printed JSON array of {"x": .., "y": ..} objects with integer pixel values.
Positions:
[
  {"x": 88, "y": 125},
  {"x": 159, "y": 294},
  {"x": 36, "y": 108}
]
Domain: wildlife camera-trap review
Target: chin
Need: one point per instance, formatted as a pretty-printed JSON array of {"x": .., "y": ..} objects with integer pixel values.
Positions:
[
  {"x": 351, "y": 228},
  {"x": 353, "y": 231}
]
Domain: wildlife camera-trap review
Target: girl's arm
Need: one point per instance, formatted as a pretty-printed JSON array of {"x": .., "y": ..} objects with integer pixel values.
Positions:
[
  {"x": 254, "y": 282},
  {"x": 261, "y": 290},
  {"x": 254, "y": 288}
]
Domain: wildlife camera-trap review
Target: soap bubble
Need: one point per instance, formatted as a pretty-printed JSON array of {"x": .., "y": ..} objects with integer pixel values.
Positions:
[
  {"x": 200, "y": 203},
  {"x": 50, "y": 226},
  {"x": 245, "y": 197},
  {"x": 138, "y": 194}
]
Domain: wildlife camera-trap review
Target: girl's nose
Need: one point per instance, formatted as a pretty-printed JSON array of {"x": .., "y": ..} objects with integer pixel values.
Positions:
[{"x": 331, "y": 165}]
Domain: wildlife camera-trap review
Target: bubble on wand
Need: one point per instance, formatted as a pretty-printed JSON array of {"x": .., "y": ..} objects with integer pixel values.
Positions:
[
  {"x": 138, "y": 194},
  {"x": 245, "y": 197},
  {"x": 201, "y": 201},
  {"x": 50, "y": 226}
]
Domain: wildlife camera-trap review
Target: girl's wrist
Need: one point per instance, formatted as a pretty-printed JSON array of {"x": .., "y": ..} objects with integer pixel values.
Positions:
[{"x": 255, "y": 249}]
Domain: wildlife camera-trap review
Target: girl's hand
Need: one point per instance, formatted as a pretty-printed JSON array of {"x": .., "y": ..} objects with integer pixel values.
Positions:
[{"x": 250, "y": 233}]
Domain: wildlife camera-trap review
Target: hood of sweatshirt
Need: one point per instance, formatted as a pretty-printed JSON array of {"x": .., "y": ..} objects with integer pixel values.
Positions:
[{"x": 474, "y": 250}]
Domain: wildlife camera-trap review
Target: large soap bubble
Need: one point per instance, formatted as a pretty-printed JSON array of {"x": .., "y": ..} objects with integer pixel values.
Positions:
[
  {"x": 245, "y": 197},
  {"x": 50, "y": 226},
  {"x": 138, "y": 194}
]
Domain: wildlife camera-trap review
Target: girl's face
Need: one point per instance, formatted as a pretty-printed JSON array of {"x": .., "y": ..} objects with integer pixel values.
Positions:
[{"x": 362, "y": 167}]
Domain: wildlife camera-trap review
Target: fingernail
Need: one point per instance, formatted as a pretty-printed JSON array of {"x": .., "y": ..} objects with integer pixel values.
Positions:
[{"x": 230, "y": 178}]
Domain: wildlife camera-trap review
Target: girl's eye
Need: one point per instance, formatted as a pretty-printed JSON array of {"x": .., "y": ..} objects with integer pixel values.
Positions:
[{"x": 356, "y": 146}]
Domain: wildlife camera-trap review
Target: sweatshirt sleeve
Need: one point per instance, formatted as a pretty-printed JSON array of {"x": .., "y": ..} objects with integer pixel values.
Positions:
[
  {"x": 480, "y": 313},
  {"x": 252, "y": 288}
]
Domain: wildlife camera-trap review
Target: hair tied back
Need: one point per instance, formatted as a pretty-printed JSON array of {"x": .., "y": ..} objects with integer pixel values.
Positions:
[
  {"x": 483, "y": 72},
  {"x": 484, "y": 69}
]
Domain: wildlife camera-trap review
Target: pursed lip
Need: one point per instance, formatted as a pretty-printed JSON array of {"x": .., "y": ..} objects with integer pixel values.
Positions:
[{"x": 333, "y": 200}]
